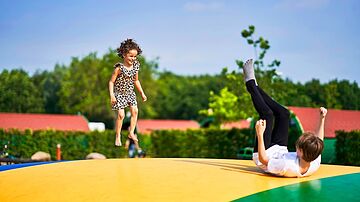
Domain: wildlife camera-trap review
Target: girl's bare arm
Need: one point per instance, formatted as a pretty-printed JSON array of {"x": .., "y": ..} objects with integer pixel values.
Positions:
[
  {"x": 139, "y": 88},
  {"x": 111, "y": 84}
]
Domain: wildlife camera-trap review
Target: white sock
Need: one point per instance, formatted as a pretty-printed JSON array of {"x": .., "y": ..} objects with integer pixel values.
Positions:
[{"x": 249, "y": 72}]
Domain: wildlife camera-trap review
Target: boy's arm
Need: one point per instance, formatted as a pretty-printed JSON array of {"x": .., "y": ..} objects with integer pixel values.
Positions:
[
  {"x": 139, "y": 88},
  {"x": 260, "y": 128},
  {"x": 320, "y": 130}
]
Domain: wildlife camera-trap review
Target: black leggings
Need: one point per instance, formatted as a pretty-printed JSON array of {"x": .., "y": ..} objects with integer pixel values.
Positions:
[{"x": 277, "y": 117}]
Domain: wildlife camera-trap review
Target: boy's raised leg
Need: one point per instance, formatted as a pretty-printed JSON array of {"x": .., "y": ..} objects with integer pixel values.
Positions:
[{"x": 261, "y": 107}]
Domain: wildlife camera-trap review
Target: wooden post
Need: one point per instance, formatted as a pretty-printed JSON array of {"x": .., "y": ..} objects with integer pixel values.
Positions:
[{"x": 58, "y": 152}]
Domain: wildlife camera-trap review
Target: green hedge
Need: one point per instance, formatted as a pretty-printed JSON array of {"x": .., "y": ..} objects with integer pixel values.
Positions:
[
  {"x": 202, "y": 143},
  {"x": 74, "y": 145},
  {"x": 206, "y": 143},
  {"x": 348, "y": 147}
]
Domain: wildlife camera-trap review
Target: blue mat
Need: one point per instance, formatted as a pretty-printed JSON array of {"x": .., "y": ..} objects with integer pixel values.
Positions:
[{"x": 22, "y": 165}]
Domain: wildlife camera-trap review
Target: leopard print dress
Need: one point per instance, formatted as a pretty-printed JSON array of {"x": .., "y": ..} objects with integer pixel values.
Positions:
[{"x": 124, "y": 86}]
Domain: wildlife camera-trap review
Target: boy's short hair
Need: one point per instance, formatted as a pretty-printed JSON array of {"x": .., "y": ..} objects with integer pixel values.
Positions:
[
  {"x": 126, "y": 46},
  {"x": 311, "y": 146}
]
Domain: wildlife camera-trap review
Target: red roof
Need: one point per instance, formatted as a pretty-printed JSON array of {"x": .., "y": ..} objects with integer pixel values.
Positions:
[
  {"x": 238, "y": 124},
  {"x": 146, "y": 126},
  {"x": 346, "y": 120},
  {"x": 43, "y": 122}
]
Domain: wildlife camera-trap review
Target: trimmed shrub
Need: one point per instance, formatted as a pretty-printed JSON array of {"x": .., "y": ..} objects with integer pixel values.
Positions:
[
  {"x": 202, "y": 143},
  {"x": 74, "y": 145},
  {"x": 347, "y": 147}
]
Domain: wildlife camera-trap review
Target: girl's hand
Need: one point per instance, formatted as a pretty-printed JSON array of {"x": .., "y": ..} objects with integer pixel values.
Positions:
[
  {"x": 144, "y": 98},
  {"x": 260, "y": 128},
  {"x": 113, "y": 99},
  {"x": 323, "y": 112}
]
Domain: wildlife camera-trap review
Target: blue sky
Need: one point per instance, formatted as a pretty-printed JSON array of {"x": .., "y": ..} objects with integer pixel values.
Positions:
[{"x": 312, "y": 38}]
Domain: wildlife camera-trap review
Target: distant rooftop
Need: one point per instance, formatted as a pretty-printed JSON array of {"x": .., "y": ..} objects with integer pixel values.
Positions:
[
  {"x": 145, "y": 126},
  {"x": 346, "y": 120},
  {"x": 23, "y": 121},
  {"x": 236, "y": 124}
]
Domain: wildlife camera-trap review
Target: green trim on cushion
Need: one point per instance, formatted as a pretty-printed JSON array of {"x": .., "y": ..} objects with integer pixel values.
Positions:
[{"x": 339, "y": 188}]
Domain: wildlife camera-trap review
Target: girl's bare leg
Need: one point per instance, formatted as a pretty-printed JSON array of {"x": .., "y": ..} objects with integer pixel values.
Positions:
[
  {"x": 135, "y": 142},
  {"x": 118, "y": 126},
  {"x": 133, "y": 120},
  {"x": 137, "y": 145}
]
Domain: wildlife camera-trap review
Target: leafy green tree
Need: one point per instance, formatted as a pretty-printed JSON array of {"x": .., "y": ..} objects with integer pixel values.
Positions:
[
  {"x": 331, "y": 95},
  {"x": 334, "y": 94},
  {"x": 84, "y": 87},
  {"x": 348, "y": 95},
  {"x": 235, "y": 81},
  {"x": 181, "y": 97},
  {"x": 147, "y": 74},
  {"x": 265, "y": 73},
  {"x": 18, "y": 93},
  {"x": 236, "y": 84},
  {"x": 260, "y": 43},
  {"x": 315, "y": 91},
  {"x": 48, "y": 82},
  {"x": 290, "y": 94},
  {"x": 223, "y": 107}
]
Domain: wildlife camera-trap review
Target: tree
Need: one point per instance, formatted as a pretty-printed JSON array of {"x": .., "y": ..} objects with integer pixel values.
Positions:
[
  {"x": 266, "y": 73},
  {"x": 235, "y": 83},
  {"x": 84, "y": 87},
  {"x": 331, "y": 95},
  {"x": 290, "y": 94},
  {"x": 48, "y": 83},
  {"x": 181, "y": 97},
  {"x": 261, "y": 43},
  {"x": 147, "y": 73},
  {"x": 315, "y": 91},
  {"x": 349, "y": 95},
  {"x": 18, "y": 93},
  {"x": 223, "y": 107}
]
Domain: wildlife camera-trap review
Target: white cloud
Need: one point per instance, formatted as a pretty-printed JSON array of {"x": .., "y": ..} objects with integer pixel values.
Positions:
[
  {"x": 200, "y": 7},
  {"x": 302, "y": 4}
]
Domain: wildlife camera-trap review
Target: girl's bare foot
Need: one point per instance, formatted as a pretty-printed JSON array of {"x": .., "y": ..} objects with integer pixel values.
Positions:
[
  {"x": 133, "y": 137},
  {"x": 118, "y": 140}
]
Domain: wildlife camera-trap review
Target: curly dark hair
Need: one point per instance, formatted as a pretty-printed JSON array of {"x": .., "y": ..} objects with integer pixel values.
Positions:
[{"x": 126, "y": 46}]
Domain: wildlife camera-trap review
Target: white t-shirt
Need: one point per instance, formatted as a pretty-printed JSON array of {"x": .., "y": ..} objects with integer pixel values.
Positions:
[{"x": 285, "y": 163}]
